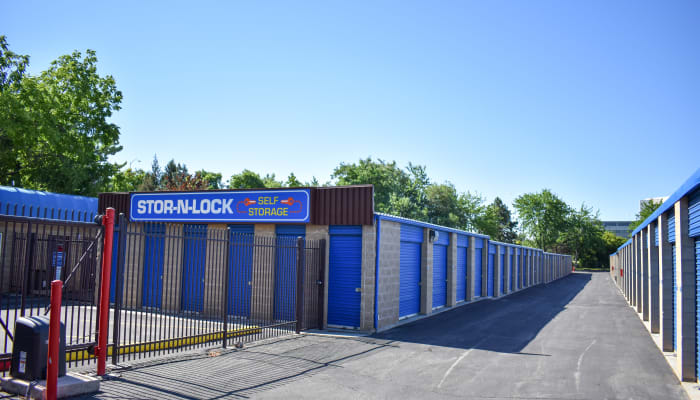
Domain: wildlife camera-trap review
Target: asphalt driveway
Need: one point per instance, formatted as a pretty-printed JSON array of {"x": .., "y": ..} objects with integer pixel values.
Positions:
[{"x": 572, "y": 339}]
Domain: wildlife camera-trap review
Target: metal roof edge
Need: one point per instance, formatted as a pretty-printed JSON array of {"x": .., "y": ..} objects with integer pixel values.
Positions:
[
  {"x": 688, "y": 186},
  {"x": 394, "y": 218}
]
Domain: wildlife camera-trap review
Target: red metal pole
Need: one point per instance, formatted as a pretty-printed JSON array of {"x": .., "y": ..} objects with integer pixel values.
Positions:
[
  {"x": 54, "y": 338},
  {"x": 101, "y": 350}
]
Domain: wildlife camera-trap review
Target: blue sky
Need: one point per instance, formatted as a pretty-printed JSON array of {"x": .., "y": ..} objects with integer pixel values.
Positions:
[{"x": 597, "y": 100}]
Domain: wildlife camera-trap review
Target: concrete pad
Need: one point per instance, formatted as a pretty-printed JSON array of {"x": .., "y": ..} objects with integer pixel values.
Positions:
[{"x": 72, "y": 384}]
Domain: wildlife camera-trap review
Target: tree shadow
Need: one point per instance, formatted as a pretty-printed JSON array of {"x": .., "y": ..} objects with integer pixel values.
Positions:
[{"x": 504, "y": 325}]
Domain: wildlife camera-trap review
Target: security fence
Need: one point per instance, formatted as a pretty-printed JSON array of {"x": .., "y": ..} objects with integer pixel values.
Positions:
[
  {"x": 33, "y": 252},
  {"x": 174, "y": 287},
  {"x": 182, "y": 286}
]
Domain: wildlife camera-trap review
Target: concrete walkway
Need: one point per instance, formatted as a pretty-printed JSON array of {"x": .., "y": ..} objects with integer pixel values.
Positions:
[{"x": 572, "y": 339}]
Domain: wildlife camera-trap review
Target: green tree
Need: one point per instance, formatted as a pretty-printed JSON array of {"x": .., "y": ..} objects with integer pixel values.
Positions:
[
  {"x": 128, "y": 180},
  {"x": 292, "y": 181},
  {"x": 497, "y": 222},
  {"x": 213, "y": 179},
  {"x": 443, "y": 206},
  {"x": 543, "y": 217},
  {"x": 247, "y": 179},
  {"x": 647, "y": 208},
  {"x": 54, "y": 127},
  {"x": 396, "y": 191},
  {"x": 583, "y": 237}
]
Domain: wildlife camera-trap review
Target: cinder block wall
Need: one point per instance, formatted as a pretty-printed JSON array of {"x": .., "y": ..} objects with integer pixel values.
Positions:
[{"x": 389, "y": 274}]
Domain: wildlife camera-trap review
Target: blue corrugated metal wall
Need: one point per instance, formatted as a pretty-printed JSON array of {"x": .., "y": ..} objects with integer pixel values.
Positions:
[
  {"x": 671, "y": 227},
  {"x": 489, "y": 283},
  {"x": 286, "y": 272},
  {"x": 152, "y": 288},
  {"x": 344, "y": 275},
  {"x": 461, "y": 267},
  {"x": 240, "y": 269},
  {"x": 115, "y": 254},
  {"x": 525, "y": 266},
  {"x": 697, "y": 305},
  {"x": 193, "y": 267},
  {"x": 517, "y": 268},
  {"x": 478, "y": 264},
  {"x": 694, "y": 214},
  {"x": 409, "y": 265},
  {"x": 673, "y": 275},
  {"x": 656, "y": 236},
  {"x": 511, "y": 278},
  {"x": 440, "y": 269},
  {"x": 502, "y": 281},
  {"x": 34, "y": 203}
]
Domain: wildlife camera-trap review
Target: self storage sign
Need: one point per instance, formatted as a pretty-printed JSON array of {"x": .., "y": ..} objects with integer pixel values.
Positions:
[{"x": 254, "y": 206}]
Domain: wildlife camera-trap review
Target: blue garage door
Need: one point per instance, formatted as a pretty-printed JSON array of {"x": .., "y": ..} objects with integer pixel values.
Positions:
[
  {"x": 194, "y": 264},
  {"x": 461, "y": 267},
  {"x": 409, "y": 265},
  {"x": 440, "y": 269},
  {"x": 501, "y": 282},
  {"x": 115, "y": 254},
  {"x": 673, "y": 276},
  {"x": 526, "y": 271},
  {"x": 240, "y": 269},
  {"x": 511, "y": 278},
  {"x": 345, "y": 275},
  {"x": 489, "y": 283},
  {"x": 286, "y": 270},
  {"x": 672, "y": 227},
  {"x": 152, "y": 288},
  {"x": 697, "y": 304},
  {"x": 478, "y": 264}
]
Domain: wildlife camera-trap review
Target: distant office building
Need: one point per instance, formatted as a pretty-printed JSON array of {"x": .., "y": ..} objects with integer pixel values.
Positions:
[{"x": 620, "y": 228}]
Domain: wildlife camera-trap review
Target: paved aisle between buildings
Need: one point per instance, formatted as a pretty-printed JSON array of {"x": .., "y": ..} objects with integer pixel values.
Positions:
[{"x": 558, "y": 341}]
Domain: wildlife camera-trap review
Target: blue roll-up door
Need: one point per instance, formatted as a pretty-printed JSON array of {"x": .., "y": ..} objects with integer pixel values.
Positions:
[
  {"x": 673, "y": 276},
  {"x": 152, "y": 289},
  {"x": 525, "y": 270},
  {"x": 511, "y": 278},
  {"x": 672, "y": 227},
  {"x": 193, "y": 267},
  {"x": 502, "y": 281},
  {"x": 489, "y": 283},
  {"x": 409, "y": 266},
  {"x": 286, "y": 270},
  {"x": 656, "y": 236},
  {"x": 241, "y": 247},
  {"x": 694, "y": 214},
  {"x": 516, "y": 268},
  {"x": 697, "y": 306},
  {"x": 440, "y": 269},
  {"x": 345, "y": 275},
  {"x": 113, "y": 272},
  {"x": 478, "y": 264},
  {"x": 461, "y": 267}
]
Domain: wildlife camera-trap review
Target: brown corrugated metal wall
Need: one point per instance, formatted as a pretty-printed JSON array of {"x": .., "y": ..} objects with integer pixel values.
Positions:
[{"x": 337, "y": 205}]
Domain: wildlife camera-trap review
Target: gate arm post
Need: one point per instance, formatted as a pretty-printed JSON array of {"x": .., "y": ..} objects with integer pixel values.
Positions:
[
  {"x": 103, "y": 332},
  {"x": 52, "y": 362}
]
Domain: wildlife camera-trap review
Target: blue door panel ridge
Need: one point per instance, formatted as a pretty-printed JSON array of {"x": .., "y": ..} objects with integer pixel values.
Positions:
[{"x": 345, "y": 276}]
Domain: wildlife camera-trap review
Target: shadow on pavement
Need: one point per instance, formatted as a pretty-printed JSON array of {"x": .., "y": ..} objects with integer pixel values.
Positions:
[
  {"x": 220, "y": 374},
  {"x": 504, "y": 325}
]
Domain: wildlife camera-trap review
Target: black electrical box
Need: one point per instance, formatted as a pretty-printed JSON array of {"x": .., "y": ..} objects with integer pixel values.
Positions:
[{"x": 30, "y": 349}]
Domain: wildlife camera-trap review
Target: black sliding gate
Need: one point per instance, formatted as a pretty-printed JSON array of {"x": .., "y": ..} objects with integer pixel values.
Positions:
[
  {"x": 33, "y": 252},
  {"x": 174, "y": 287}
]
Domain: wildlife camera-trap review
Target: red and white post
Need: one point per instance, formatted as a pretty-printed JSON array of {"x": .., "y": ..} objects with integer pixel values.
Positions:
[
  {"x": 101, "y": 350},
  {"x": 54, "y": 339}
]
